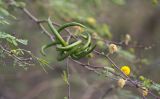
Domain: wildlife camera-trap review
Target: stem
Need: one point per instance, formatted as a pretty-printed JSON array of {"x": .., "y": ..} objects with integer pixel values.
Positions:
[{"x": 69, "y": 87}]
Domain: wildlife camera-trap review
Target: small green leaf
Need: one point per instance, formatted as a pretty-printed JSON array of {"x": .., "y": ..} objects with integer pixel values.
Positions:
[
  {"x": 3, "y": 21},
  {"x": 119, "y": 2},
  {"x": 155, "y": 86},
  {"x": 65, "y": 77},
  {"x": 24, "y": 42},
  {"x": 43, "y": 63},
  {"x": 12, "y": 39},
  {"x": 4, "y": 12}
]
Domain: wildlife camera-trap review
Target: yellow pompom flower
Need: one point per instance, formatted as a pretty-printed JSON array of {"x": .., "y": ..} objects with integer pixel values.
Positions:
[
  {"x": 91, "y": 20},
  {"x": 126, "y": 70}
]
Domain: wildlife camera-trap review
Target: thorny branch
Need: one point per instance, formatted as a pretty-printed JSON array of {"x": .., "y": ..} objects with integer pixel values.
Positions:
[
  {"x": 87, "y": 66},
  {"x": 69, "y": 84},
  {"x": 22, "y": 60}
]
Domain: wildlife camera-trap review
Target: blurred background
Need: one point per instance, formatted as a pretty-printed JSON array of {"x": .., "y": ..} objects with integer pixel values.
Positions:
[{"x": 111, "y": 20}]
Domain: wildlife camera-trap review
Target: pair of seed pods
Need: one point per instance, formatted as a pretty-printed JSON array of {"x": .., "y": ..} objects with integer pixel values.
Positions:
[{"x": 77, "y": 50}]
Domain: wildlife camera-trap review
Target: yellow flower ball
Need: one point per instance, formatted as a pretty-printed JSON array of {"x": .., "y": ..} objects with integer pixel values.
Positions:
[
  {"x": 91, "y": 20},
  {"x": 126, "y": 70}
]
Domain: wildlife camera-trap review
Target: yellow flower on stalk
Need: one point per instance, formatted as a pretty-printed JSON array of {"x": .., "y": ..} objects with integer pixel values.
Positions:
[
  {"x": 91, "y": 20},
  {"x": 126, "y": 70}
]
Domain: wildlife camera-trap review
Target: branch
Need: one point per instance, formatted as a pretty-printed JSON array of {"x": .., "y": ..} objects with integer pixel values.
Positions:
[{"x": 89, "y": 67}]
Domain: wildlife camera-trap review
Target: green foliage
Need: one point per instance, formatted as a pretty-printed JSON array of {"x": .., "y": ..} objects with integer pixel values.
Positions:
[
  {"x": 126, "y": 55},
  {"x": 104, "y": 31},
  {"x": 156, "y": 87},
  {"x": 3, "y": 21},
  {"x": 65, "y": 77},
  {"x": 119, "y": 2},
  {"x": 64, "y": 11},
  {"x": 94, "y": 2},
  {"x": 76, "y": 50},
  {"x": 11, "y": 39},
  {"x": 107, "y": 72},
  {"x": 43, "y": 63},
  {"x": 3, "y": 14},
  {"x": 18, "y": 54},
  {"x": 150, "y": 84},
  {"x": 155, "y": 2}
]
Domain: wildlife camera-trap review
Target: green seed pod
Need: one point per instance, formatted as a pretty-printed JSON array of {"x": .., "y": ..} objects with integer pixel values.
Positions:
[
  {"x": 65, "y": 55},
  {"x": 87, "y": 44},
  {"x": 84, "y": 53},
  {"x": 47, "y": 46},
  {"x": 69, "y": 25},
  {"x": 56, "y": 33},
  {"x": 66, "y": 48}
]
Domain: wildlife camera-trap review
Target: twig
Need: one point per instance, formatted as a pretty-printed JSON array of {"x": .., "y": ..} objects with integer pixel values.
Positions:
[
  {"x": 18, "y": 59},
  {"x": 69, "y": 86},
  {"x": 128, "y": 78}
]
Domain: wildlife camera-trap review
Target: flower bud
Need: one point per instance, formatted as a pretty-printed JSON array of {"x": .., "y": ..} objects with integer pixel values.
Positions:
[
  {"x": 121, "y": 82},
  {"x": 144, "y": 91},
  {"x": 79, "y": 28},
  {"x": 113, "y": 48},
  {"x": 95, "y": 35},
  {"x": 91, "y": 20},
  {"x": 127, "y": 39},
  {"x": 141, "y": 78}
]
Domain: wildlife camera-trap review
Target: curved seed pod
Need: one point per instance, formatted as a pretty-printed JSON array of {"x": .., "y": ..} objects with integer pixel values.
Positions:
[
  {"x": 83, "y": 48},
  {"x": 73, "y": 56},
  {"x": 84, "y": 53},
  {"x": 47, "y": 46},
  {"x": 87, "y": 52},
  {"x": 55, "y": 32},
  {"x": 84, "y": 36},
  {"x": 63, "y": 56},
  {"x": 87, "y": 44},
  {"x": 66, "y": 48},
  {"x": 69, "y": 25}
]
